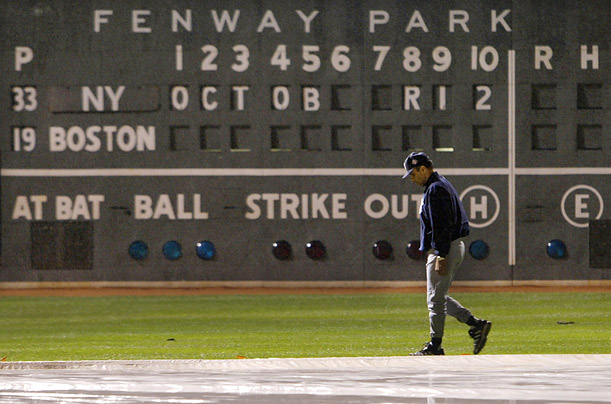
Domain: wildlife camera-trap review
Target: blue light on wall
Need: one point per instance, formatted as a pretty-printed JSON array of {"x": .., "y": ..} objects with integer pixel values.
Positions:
[
  {"x": 172, "y": 250},
  {"x": 479, "y": 250},
  {"x": 556, "y": 249},
  {"x": 413, "y": 251},
  {"x": 282, "y": 250},
  {"x": 316, "y": 250},
  {"x": 382, "y": 250},
  {"x": 205, "y": 250},
  {"x": 138, "y": 250}
]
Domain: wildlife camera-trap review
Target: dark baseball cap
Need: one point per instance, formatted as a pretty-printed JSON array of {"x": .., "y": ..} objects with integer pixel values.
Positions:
[{"x": 415, "y": 160}]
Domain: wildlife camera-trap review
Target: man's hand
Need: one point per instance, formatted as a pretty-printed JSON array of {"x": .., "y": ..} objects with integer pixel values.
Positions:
[{"x": 441, "y": 266}]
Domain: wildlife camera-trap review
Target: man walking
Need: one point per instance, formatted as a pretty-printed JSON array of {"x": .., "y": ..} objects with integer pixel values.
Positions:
[{"x": 443, "y": 224}]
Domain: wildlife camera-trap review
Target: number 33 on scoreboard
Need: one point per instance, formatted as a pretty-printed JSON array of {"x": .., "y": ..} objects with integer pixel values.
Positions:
[{"x": 24, "y": 98}]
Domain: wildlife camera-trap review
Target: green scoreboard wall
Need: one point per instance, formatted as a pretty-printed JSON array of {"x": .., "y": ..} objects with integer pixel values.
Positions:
[{"x": 183, "y": 140}]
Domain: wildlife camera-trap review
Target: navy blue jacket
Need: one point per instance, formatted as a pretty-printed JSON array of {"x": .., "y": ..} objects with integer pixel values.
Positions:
[{"x": 442, "y": 218}]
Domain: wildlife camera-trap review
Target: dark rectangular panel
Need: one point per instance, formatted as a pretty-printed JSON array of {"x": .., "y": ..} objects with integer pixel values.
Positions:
[
  {"x": 600, "y": 244},
  {"x": 61, "y": 245}
]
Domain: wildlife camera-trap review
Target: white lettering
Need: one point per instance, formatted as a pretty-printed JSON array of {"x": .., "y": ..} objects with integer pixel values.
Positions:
[
  {"x": 57, "y": 139},
  {"x": 384, "y": 206},
  {"x": 38, "y": 200},
  {"x": 138, "y": 18},
  {"x": 114, "y": 96},
  {"x": 88, "y": 97},
  {"x": 145, "y": 137},
  {"x": 318, "y": 206},
  {"x": 307, "y": 20},
  {"x": 416, "y": 21},
  {"x": 582, "y": 210},
  {"x": 280, "y": 98},
  {"x": 410, "y": 98},
  {"x": 479, "y": 207},
  {"x": 255, "y": 210},
  {"x": 338, "y": 204},
  {"x": 543, "y": 54},
  {"x": 394, "y": 204},
  {"x": 305, "y": 206},
  {"x": 77, "y": 139},
  {"x": 270, "y": 199},
  {"x": 294, "y": 206},
  {"x": 126, "y": 138},
  {"x": 494, "y": 20},
  {"x": 239, "y": 91},
  {"x": 179, "y": 61},
  {"x": 460, "y": 17},
  {"x": 209, "y": 106},
  {"x": 587, "y": 58},
  {"x": 581, "y": 206},
  {"x": 377, "y": 17},
  {"x": 198, "y": 213},
  {"x": 97, "y": 99},
  {"x": 225, "y": 20},
  {"x": 186, "y": 22},
  {"x": 181, "y": 211},
  {"x": 311, "y": 100},
  {"x": 93, "y": 142},
  {"x": 63, "y": 207},
  {"x": 164, "y": 208},
  {"x": 482, "y": 102},
  {"x": 110, "y": 132},
  {"x": 66, "y": 209},
  {"x": 398, "y": 211},
  {"x": 289, "y": 204},
  {"x": 22, "y": 207},
  {"x": 179, "y": 97},
  {"x": 143, "y": 207},
  {"x": 441, "y": 100},
  {"x": 99, "y": 17},
  {"x": 483, "y": 58},
  {"x": 95, "y": 200},
  {"x": 23, "y": 55},
  {"x": 80, "y": 208},
  {"x": 268, "y": 21}
]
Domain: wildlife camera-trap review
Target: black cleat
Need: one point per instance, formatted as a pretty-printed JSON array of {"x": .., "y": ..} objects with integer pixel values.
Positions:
[
  {"x": 479, "y": 333},
  {"x": 428, "y": 349}
]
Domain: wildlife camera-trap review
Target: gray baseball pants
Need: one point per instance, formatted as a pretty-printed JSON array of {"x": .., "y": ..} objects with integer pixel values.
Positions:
[{"x": 439, "y": 302}]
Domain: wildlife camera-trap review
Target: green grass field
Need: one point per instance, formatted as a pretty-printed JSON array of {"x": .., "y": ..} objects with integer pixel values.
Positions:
[{"x": 262, "y": 326}]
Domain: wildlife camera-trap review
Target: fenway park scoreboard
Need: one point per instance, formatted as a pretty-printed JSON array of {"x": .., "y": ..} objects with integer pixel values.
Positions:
[{"x": 253, "y": 140}]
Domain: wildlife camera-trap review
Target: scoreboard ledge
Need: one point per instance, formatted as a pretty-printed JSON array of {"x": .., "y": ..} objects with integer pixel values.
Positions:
[{"x": 245, "y": 286}]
